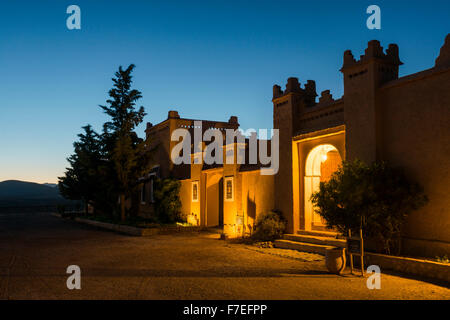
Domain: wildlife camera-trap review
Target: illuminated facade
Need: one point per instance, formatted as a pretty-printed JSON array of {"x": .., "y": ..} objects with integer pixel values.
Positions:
[
  {"x": 229, "y": 196},
  {"x": 405, "y": 121}
]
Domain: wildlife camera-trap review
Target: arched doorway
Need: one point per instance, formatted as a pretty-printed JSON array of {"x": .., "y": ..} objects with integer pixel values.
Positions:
[{"x": 320, "y": 164}]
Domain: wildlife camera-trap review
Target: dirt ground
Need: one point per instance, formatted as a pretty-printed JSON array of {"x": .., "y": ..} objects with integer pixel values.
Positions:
[{"x": 36, "y": 249}]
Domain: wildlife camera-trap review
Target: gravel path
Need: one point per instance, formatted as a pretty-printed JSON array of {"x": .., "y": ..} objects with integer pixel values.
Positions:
[{"x": 36, "y": 249}]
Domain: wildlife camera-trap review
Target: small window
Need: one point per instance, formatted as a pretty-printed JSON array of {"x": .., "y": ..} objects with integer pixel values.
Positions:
[
  {"x": 143, "y": 193},
  {"x": 151, "y": 191},
  {"x": 229, "y": 189},
  {"x": 194, "y": 191}
]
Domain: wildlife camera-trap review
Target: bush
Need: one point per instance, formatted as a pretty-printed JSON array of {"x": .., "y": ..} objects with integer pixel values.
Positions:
[
  {"x": 167, "y": 200},
  {"x": 376, "y": 198},
  {"x": 61, "y": 209},
  {"x": 269, "y": 227},
  {"x": 444, "y": 259}
]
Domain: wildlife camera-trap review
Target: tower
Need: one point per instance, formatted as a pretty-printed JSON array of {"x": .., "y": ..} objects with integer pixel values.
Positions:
[
  {"x": 287, "y": 107},
  {"x": 362, "y": 112}
]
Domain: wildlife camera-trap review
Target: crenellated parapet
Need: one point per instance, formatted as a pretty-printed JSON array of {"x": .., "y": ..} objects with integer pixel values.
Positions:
[
  {"x": 277, "y": 92},
  {"x": 383, "y": 66},
  {"x": 308, "y": 93},
  {"x": 373, "y": 51},
  {"x": 326, "y": 97},
  {"x": 293, "y": 86},
  {"x": 443, "y": 61}
]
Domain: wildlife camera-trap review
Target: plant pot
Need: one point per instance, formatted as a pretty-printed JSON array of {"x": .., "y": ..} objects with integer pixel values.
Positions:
[{"x": 335, "y": 260}]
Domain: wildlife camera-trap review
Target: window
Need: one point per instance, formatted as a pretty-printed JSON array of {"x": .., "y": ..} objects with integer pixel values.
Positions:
[
  {"x": 194, "y": 191},
  {"x": 143, "y": 193},
  {"x": 151, "y": 191},
  {"x": 229, "y": 189}
]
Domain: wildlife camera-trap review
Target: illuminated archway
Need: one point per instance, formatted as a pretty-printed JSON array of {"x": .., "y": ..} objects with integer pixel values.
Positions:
[{"x": 320, "y": 164}]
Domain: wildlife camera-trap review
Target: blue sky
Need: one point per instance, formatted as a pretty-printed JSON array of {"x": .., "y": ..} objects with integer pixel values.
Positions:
[{"x": 206, "y": 59}]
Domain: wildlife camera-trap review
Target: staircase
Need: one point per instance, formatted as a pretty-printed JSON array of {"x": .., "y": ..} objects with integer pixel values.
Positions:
[{"x": 310, "y": 241}]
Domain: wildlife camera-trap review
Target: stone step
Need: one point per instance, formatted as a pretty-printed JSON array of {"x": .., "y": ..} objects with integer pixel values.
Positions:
[
  {"x": 325, "y": 241},
  {"x": 329, "y": 234},
  {"x": 301, "y": 246}
]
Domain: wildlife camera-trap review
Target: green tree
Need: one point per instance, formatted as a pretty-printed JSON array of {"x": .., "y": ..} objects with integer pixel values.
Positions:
[
  {"x": 167, "y": 200},
  {"x": 128, "y": 154},
  {"x": 376, "y": 198},
  {"x": 80, "y": 181}
]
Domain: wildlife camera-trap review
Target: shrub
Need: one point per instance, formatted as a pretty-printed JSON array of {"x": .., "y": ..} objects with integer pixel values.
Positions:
[
  {"x": 61, "y": 209},
  {"x": 444, "y": 259},
  {"x": 269, "y": 227},
  {"x": 375, "y": 197},
  {"x": 167, "y": 200}
]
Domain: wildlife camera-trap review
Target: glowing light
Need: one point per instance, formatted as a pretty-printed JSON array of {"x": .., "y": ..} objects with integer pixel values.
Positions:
[{"x": 323, "y": 153}]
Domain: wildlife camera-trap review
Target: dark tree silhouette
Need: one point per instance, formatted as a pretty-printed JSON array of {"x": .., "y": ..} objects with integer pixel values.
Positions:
[
  {"x": 80, "y": 181},
  {"x": 128, "y": 154}
]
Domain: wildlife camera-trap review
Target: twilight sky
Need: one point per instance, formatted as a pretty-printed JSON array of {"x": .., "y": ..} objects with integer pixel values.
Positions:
[{"x": 206, "y": 59}]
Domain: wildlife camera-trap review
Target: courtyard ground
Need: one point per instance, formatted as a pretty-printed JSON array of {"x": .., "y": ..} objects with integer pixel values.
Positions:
[{"x": 36, "y": 249}]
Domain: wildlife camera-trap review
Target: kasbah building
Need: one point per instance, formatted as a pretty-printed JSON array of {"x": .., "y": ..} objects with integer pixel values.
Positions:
[{"x": 405, "y": 121}]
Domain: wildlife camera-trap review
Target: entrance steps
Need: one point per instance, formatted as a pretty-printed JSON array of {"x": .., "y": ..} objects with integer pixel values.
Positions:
[
  {"x": 329, "y": 234},
  {"x": 310, "y": 241}
]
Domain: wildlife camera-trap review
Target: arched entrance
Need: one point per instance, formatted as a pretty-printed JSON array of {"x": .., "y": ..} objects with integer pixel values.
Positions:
[{"x": 320, "y": 164}]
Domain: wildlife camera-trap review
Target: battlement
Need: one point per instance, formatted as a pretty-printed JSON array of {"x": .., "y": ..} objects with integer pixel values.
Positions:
[
  {"x": 232, "y": 123},
  {"x": 373, "y": 51},
  {"x": 191, "y": 124},
  {"x": 375, "y": 64},
  {"x": 443, "y": 61},
  {"x": 308, "y": 93},
  {"x": 293, "y": 86}
]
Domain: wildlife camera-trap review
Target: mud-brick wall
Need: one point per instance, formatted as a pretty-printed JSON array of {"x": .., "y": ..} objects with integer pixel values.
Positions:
[
  {"x": 257, "y": 196},
  {"x": 416, "y": 136}
]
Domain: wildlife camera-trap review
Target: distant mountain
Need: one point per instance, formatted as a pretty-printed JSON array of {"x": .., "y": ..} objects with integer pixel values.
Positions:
[
  {"x": 21, "y": 194},
  {"x": 13, "y": 189},
  {"x": 53, "y": 185}
]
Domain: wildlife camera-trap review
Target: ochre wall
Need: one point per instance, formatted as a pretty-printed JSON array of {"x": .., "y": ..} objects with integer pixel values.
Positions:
[
  {"x": 283, "y": 121},
  {"x": 257, "y": 196},
  {"x": 416, "y": 136},
  {"x": 231, "y": 208}
]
